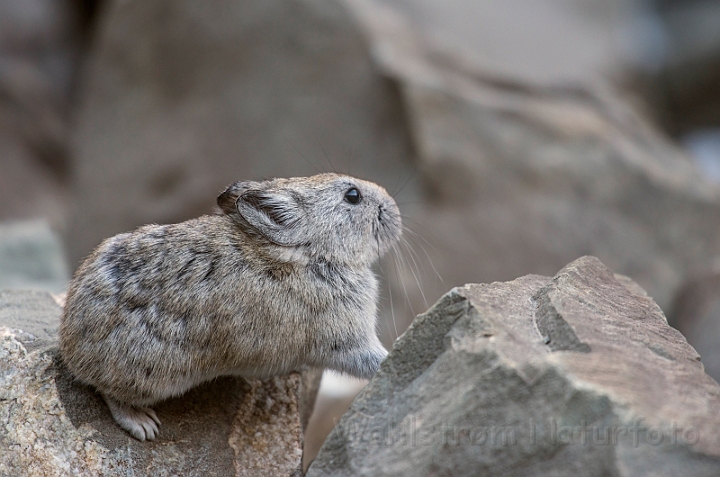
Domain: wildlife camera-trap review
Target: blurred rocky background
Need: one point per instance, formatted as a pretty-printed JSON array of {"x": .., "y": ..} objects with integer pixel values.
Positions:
[{"x": 517, "y": 135}]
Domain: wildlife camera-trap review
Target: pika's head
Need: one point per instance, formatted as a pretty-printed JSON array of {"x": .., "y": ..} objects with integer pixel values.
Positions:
[{"x": 333, "y": 217}]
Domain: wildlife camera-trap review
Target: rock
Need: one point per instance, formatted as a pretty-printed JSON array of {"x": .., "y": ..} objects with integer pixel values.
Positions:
[
  {"x": 32, "y": 257},
  {"x": 573, "y": 375},
  {"x": 53, "y": 426},
  {"x": 525, "y": 176},
  {"x": 336, "y": 394},
  {"x": 180, "y": 100},
  {"x": 311, "y": 379},
  {"x": 696, "y": 313},
  {"x": 33, "y": 312},
  {"x": 537, "y": 40},
  {"x": 40, "y": 45}
]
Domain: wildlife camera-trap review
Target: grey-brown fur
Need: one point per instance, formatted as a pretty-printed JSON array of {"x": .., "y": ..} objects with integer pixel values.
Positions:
[{"x": 281, "y": 279}]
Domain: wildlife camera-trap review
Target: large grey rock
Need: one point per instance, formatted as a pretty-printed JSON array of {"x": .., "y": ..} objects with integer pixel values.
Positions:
[
  {"x": 182, "y": 98},
  {"x": 32, "y": 257},
  {"x": 40, "y": 44},
  {"x": 536, "y": 40},
  {"x": 575, "y": 375},
  {"x": 53, "y": 426}
]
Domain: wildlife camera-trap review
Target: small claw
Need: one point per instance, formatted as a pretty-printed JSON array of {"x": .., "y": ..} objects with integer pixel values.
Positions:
[
  {"x": 138, "y": 433},
  {"x": 141, "y": 422},
  {"x": 151, "y": 412},
  {"x": 150, "y": 430}
]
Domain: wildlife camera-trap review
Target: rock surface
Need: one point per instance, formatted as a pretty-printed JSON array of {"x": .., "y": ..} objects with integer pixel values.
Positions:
[
  {"x": 536, "y": 40},
  {"x": 40, "y": 46},
  {"x": 573, "y": 375},
  {"x": 53, "y": 426},
  {"x": 181, "y": 99}
]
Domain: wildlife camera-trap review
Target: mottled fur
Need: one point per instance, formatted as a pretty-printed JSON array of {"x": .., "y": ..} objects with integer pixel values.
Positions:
[{"x": 282, "y": 279}]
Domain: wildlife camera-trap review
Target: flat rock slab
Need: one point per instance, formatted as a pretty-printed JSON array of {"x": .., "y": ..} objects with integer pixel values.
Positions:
[
  {"x": 54, "y": 426},
  {"x": 34, "y": 312},
  {"x": 576, "y": 375}
]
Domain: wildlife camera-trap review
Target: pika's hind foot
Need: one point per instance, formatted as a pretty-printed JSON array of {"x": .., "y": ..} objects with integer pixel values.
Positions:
[{"x": 141, "y": 422}]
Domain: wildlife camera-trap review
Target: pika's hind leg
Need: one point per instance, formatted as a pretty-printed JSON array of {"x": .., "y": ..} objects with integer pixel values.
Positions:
[{"x": 141, "y": 422}]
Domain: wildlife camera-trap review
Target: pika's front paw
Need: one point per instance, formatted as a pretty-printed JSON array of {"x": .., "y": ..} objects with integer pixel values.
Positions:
[{"x": 141, "y": 422}]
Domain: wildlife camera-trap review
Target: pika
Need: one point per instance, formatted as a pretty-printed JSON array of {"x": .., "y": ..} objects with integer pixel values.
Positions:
[{"x": 280, "y": 279}]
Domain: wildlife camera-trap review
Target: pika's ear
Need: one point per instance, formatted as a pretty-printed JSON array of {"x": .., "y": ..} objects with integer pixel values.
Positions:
[
  {"x": 275, "y": 214},
  {"x": 226, "y": 201}
]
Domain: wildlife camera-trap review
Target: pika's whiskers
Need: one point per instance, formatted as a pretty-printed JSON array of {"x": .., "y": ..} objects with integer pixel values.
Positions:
[
  {"x": 303, "y": 156},
  {"x": 392, "y": 306},
  {"x": 325, "y": 153},
  {"x": 416, "y": 236},
  {"x": 398, "y": 257},
  {"x": 395, "y": 194},
  {"x": 414, "y": 269}
]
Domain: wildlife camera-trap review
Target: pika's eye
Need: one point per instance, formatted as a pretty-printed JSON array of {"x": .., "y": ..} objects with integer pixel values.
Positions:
[{"x": 352, "y": 195}]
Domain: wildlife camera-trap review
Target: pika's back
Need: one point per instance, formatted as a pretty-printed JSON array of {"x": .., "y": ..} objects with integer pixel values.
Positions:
[
  {"x": 132, "y": 268},
  {"x": 148, "y": 292}
]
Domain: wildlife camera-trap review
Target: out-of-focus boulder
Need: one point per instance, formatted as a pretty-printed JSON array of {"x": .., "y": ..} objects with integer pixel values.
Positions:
[
  {"x": 32, "y": 257},
  {"x": 536, "y": 40},
  {"x": 181, "y": 99},
  {"x": 579, "y": 374},
  {"x": 696, "y": 313},
  {"x": 525, "y": 177},
  {"x": 40, "y": 47}
]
